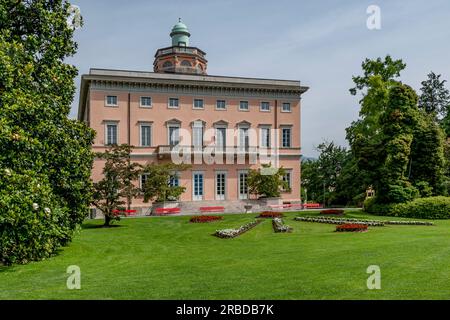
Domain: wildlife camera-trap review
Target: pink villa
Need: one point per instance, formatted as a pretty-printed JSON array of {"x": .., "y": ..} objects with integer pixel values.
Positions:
[{"x": 180, "y": 106}]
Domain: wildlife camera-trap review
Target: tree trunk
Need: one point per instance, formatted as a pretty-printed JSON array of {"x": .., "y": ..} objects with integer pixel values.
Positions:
[{"x": 107, "y": 220}]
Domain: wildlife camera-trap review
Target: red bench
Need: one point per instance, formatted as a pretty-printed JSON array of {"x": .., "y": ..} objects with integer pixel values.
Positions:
[
  {"x": 125, "y": 212},
  {"x": 162, "y": 211},
  {"x": 211, "y": 209},
  {"x": 312, "y": 206}
]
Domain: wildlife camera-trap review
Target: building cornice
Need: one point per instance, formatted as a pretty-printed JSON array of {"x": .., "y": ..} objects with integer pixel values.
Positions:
[{"x": 185, "y": 84}]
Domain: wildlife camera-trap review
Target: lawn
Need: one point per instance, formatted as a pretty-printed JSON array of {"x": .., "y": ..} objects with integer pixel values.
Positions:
[{"x": 169, "y": 258}]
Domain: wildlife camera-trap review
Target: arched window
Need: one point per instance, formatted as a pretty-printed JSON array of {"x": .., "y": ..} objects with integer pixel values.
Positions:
[
  {"x": 167, "y": 64},
  {"x": 185, "y": 63}
]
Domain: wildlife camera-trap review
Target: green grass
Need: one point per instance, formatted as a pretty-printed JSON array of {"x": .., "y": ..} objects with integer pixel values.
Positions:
[{"x": 169, "y": 258}]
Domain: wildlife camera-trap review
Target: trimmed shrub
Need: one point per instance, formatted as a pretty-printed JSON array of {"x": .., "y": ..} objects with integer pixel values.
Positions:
[
  {"x": 370, "y": 206},
  {"x": 32, "y": 225},
  {"x": 423, "y": 208}
]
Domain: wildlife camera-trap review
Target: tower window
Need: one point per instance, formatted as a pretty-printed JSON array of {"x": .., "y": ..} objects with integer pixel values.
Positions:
[
  {"x": 185, "y": 63},
  {"x": 167, "y": 64}
]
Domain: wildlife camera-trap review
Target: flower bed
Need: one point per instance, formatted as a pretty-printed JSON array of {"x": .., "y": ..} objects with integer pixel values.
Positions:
[
  {"x": 372, "y": 223},
  {"x": 232, "y": 233},
  {"x": 332, "y": 211},
  {"x": 351, "y": 227},
  {"x": 330, "y": 220},
  {"x": 270, "y": 214},
  {"x": 204, "y": 219},
  {"x": 279, "y": 226}
]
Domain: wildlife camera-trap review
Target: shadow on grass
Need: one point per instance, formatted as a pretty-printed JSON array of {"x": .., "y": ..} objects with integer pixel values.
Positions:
[{"x": 100, "y": 226}]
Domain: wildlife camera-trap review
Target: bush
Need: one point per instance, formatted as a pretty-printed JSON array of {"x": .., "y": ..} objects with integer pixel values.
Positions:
[
  {"x": 371, "y": 206},
  {"x": 32, "y": 225},
  {"x": 423, "y": 208}
]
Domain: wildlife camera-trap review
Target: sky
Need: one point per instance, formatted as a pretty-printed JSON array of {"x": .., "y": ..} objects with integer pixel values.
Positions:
[{"x": 320, "y": 43}]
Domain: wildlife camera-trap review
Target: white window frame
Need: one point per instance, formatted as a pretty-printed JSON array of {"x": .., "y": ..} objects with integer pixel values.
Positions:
[
  {"x": 240, "y": 105},
  {"x": 193, "y": 185},
  {"x": 108, "y": 123},
  {"x": 177, "y": 176},
  {"x": 261, "y": 130},
  {"x": 198, "y": 108},
  {"x": 225, "y": 195},
  {"x": 282, "y": 136},
  {"x": 172, "y": 107},
  {"x": 225, "y": 104},
  {"x": 216, "y": 128},
  {"x": 144, "y": 105},
  {"x": 145, "y": 124},
  {"x": 261, "y": 106},
  {"x": 284, "y": 110},
  {"x": 288, "y": 172},
  {"x": 172, "y": 125},
  {"x": 241, "y": 196},
  {"x": 196, "y": 125},
  {"x": 110, "y": 104},
  {"x": 140, "y": 179}
]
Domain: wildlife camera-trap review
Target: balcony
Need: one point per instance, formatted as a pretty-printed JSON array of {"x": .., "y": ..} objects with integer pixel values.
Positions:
[
  {"x": 165, "y": 151},
  {"x": 186, "y": 50}
]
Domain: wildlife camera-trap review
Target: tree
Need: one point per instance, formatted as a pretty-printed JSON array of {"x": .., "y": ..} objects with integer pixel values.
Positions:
[
  {"x": 365, "y": 135},
  {"x": 398, "y": 124},
  {"x": 157, "y": 187},
  {"x": 267, "y": 185},
  {"x": 117, "y": 183},
  {"x": 36, "y": 136},
  {"x": 333, "y": 178},
  {"x": 435, "y": 97}
]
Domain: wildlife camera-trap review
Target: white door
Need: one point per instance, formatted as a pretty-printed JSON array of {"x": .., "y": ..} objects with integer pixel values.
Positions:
[
  {"x": 243, "y": 189},
  {"x": 221, "y": 179},
  {"x": 198, "y": 186}
]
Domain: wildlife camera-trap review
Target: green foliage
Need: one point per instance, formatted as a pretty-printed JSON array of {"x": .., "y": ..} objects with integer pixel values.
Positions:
[
  {"x": 32, "y": 223},
  {"x": 334, "y": 175},
  {"x": 157, "y": 187},
  {"x": 423, "y": 208},
  {"x": 371, "y": 206},
  {"x": 36, "y": 91},
  {"x": 435, "y": 97},
  {"x": 117, "y": 183},
  {"x": 267, "y": 185}
]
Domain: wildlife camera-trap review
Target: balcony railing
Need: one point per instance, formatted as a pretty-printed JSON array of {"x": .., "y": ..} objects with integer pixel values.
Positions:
[
  {"x": 188, "y": 50},
  {"x": 167, "y": 149}
]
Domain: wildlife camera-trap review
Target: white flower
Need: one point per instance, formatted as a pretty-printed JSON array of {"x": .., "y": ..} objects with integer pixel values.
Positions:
[
  {"x": 47, "y": 210},
  {"x": 35, "y": 206},
  {"x": 7, "y": 172}
]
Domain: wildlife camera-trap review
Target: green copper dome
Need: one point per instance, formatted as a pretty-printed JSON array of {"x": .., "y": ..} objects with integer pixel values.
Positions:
[{"x": 180, "y": 34}]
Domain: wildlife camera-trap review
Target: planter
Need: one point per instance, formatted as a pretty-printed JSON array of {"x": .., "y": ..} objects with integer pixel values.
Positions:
[{"x": 248, "y": 208}]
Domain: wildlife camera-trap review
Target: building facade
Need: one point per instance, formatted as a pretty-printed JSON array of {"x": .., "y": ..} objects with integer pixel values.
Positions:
[{"x": 223, "y": 125}]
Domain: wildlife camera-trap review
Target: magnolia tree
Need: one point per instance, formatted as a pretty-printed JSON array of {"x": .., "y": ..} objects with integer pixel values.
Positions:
[{"x": 45, "y": 156}]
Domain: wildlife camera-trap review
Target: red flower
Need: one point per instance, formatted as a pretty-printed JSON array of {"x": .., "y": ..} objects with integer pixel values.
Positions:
[
  {"x": 203, "y": 219},
  {"x": 270, "y": 214},
  {"x": 351, "y": 227},
  {"x": 332, "y": 211}
]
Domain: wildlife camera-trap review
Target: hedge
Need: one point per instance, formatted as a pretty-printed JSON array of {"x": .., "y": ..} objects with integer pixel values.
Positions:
[{"x": 423, "y": 208}]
